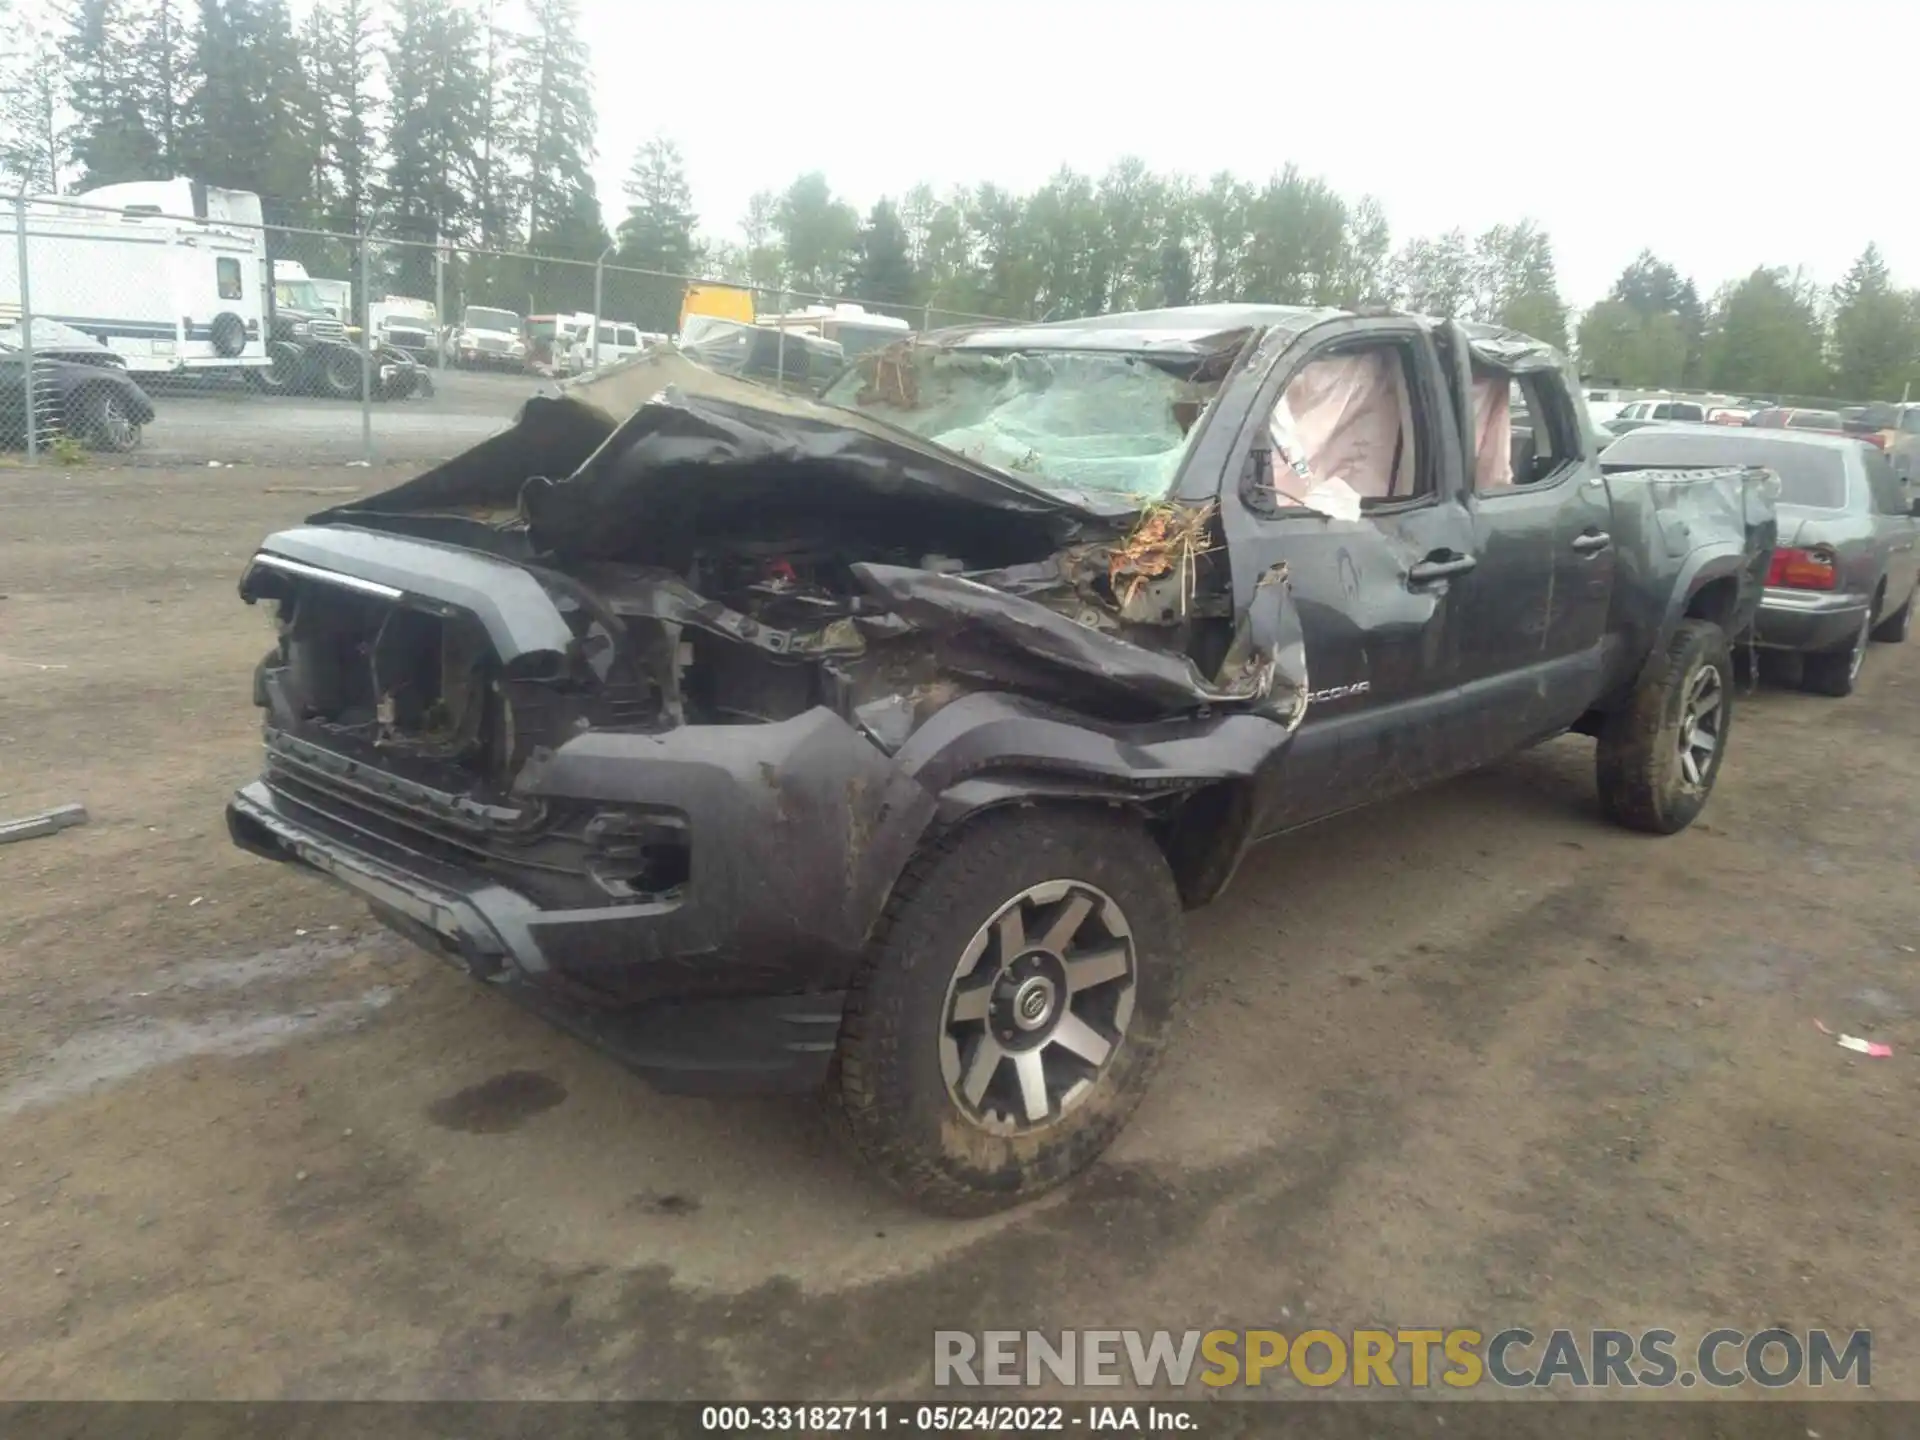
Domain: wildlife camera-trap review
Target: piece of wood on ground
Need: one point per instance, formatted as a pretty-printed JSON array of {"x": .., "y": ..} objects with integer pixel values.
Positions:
[{"x": 31, "y": 827}]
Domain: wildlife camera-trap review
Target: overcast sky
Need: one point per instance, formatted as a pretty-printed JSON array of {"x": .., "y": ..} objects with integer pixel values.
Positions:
[{"x": 1723, "y": 135}]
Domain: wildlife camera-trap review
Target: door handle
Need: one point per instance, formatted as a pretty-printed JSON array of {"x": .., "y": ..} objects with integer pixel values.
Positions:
[
  {"x": 1592, "y": 541},
  {"x": 1438, "y": 566}
]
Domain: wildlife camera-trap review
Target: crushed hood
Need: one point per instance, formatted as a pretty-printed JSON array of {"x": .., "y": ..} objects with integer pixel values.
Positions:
[{"x": 583, "y": 473}]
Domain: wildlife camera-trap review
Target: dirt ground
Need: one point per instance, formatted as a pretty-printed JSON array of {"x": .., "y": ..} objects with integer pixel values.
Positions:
[{"x": 1474, "y": 1058}]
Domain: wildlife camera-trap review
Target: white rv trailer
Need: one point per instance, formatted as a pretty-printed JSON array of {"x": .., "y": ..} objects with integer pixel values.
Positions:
[{"x": 168, "y": 274}]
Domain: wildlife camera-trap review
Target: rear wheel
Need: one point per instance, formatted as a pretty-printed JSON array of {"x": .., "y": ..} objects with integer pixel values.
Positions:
[
  {"x": 1661, "y": 751},
  {"x": 282, "y": 370},
  {"x": 1893, "y": 629},
  {"x": 1010, "y": 1012},
  {"x": 1836, "y": 672}
]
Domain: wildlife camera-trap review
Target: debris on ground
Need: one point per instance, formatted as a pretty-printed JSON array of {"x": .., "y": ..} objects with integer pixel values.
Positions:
[
  {"x": 1866, "y": 1047},
  {"x": 1854, "y": 1043},
  {"x": 47, "y": 822}
]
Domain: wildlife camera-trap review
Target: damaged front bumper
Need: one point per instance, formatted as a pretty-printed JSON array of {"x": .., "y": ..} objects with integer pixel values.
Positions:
[{"x": 733, "y": 979}]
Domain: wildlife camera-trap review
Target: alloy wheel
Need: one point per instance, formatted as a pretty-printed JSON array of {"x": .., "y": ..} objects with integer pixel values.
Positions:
[
  {"x": 1702, "y": 724},
  {"x": 1038, "y": 1007}
]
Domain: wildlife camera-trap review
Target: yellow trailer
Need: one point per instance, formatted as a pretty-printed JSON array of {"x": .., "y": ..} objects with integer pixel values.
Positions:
[{"x": 727, "y": 302}]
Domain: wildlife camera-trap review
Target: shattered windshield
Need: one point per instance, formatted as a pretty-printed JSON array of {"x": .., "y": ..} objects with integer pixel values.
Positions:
[{"x": 1062, "y": 420}]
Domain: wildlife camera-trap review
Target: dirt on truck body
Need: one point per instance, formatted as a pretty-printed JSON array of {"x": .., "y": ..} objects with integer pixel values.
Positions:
[{"x": 877, "y": 744}]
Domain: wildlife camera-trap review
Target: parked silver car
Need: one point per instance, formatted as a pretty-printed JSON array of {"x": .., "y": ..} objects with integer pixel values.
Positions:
[{"x": 1846, "y": 565}]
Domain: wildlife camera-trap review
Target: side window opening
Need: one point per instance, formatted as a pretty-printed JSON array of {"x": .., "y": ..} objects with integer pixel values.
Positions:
[
  {"x": 226, "y": 274},
  {"x": 1346, "y": 433},
  {"x": 1524, "y": 432}
]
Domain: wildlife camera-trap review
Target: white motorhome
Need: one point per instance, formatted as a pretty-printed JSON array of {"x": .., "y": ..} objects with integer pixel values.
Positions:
[{"x": 168, "y": 274}]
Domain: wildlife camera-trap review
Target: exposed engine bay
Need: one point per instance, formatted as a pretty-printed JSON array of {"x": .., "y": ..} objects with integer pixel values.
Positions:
[{"x": 718, "y": 561}]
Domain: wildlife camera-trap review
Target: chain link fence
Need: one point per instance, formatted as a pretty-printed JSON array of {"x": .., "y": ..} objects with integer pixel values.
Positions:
[{"x": 194, "y": 332}]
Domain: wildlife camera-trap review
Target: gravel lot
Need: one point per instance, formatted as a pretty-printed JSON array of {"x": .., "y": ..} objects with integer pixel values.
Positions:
[{"x": 1471, "y": 1058}]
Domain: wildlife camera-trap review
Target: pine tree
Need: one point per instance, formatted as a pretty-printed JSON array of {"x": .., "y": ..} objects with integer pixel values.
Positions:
[
  {"x": 498, "y": 186},
  {"x": 434, "y": 86},
  {"x": 340, "y": 52},
  {"x": 248, "y": 114},
  {"x": 552, "y": 88},
  {"x": 1650, "y": 287},
  {"x": 163, "y": 57},
  {"x": 882, "y": 271},
  {"x": 1875, "y": 339},
  {"x": 658, "y": 234},
  {"x": 112, "y": 142}
]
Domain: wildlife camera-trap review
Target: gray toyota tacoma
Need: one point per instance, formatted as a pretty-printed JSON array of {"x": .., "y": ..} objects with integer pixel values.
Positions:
[{"x": 876, "y": 744}]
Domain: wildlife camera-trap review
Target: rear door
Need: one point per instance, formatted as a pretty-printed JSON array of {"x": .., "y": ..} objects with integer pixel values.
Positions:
[
  {"x": 1376, "y": 590},
  {"x": 1533, "y": 613},
  {"x": 1894, "y": 527}
]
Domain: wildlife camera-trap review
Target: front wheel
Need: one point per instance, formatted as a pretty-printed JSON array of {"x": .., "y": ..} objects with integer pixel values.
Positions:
[
  {"x": 1011, "y": 1008},
  {"x": 1661, "y": 751}
]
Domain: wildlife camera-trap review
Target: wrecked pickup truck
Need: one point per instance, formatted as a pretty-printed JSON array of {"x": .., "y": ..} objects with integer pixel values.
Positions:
[{"x": 876, "y": 744}]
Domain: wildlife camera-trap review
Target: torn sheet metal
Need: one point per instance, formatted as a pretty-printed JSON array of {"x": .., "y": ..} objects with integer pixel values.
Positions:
[
  {"x": 1265, "y": 665},
  {"x": 1502, "y": 349},
  {"x": 581, "y": 475}
]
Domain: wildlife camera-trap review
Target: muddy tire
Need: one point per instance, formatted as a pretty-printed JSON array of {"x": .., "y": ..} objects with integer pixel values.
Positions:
[
  {"x": 1893, "y": 630},
  {"x": 1661, "y": 751},
  {"x": 1836, "y": 672},
  {"x": 1011, "y": 1008}
]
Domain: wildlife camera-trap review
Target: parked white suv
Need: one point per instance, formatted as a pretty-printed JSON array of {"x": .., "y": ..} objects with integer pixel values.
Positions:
[{"x": 617, "y": 342}]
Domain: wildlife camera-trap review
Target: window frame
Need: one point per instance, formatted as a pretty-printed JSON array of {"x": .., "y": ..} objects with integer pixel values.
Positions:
[
  {"x": 1563, "y": 431},
  {"x": 1423, "y": 400},
  {"x": 223, "y": 267}
]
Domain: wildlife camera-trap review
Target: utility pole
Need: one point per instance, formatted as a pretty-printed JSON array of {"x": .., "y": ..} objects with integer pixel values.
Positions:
[{"x": 599, "y": 279}]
